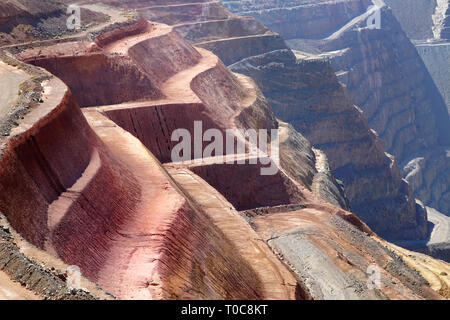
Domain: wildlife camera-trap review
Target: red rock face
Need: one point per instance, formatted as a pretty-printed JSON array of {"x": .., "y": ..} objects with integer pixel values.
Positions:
[
  {"x": 39, "y": 159},
  {"x": 91, "y": 208},
  {"x": 9, "y": 11},
  {"x": 87, "y": 186},
  {"x": 111, "y": 209},
  {"x": 153, "y": 125},
  {"x": 257, "y": 190}
]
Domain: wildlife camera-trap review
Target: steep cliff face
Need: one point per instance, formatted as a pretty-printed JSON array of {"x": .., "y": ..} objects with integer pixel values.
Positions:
[
  {"x": 416, "y": 17},
  {"x": 431, "y": 39},
  {"x": 391, "y": 86},
  {"x": 235, "y": 47},
  {"x": 270, "y": 68},
  {"x": 29, "y": 20},
  {"x": 436, "y": 56},
  {"x": 323, "y": 111},
  {"x": 193, "y": 82},
  {"x": 212, "y": 27},
  {"x": 140, "y": 237},
  {"x": 410, "y": 116},
  {"x": 86, "y": 186},
  {"x": 295, "y": 19}
]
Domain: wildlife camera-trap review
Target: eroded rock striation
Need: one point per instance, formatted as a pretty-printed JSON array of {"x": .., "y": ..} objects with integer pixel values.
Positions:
[
  {"x": 436, "y": 56},
  {"x": 113, "y": 243},
  {"x": 270, "y": 67},
  {"x": 95, "y": 186},
  {"x": 416, "y": 17},
  {"x": 431, "y": 37},
  {"x": 392, "y": 87}
]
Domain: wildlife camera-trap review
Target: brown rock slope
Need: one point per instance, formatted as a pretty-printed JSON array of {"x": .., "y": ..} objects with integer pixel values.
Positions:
[
  {"x": 14, "y": 9},
  {"x": 30, "y": 20},
  {"x": 433, "y": 45},
  {"x": 385, "y": 77},
  {"x": 312, "y": 95},
  {"x": 294, "y": 146},
  {"x": 77, "y": 184}
]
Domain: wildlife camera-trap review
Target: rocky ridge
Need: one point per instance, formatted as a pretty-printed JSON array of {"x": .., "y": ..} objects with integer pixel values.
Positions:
[
  {"x": 431, "y": 42},
  {"x": 31, "y": 20},
  {"x": 164, "y": 254},
  {"x": 408, "y": 218},
  {"x": 406, "y": 111}
]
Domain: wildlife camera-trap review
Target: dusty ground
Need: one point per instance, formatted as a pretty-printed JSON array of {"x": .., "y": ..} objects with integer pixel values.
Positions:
[
  {"x": 10, "y": 79},
  {"x": 436, "y": 272},
  {"x": 10, "y": 290}
]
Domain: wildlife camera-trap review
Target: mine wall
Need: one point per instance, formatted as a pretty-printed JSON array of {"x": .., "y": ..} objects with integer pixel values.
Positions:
[
  {"x": 428, "y": 25},
  {"x": 88, "y": 77},
  {"x": 53, "y": 182},
  {"x": 399, "y": 128},
  {"x": 67, "y": 211},
  {"x": 164, "y": 232},
  {"x": 300, "y": 19},
  {"x": 269, "y": 65},
  {"x": 403, "y": 106}
]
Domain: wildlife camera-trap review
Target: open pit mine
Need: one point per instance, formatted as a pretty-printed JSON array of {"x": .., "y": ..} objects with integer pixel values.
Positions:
[{"x": 224, "y": 150}]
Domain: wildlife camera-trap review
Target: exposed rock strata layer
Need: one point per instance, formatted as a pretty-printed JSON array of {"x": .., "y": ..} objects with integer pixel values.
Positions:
[
  {"x": 436, "y": 57},
  {"x": 391, "y": 86},
  {"x": 430, "y": 39},
  {"x": 354, "y": 151},
  {"x": 294, "y": 19},
  {"x": 434, "y": 50},
  {"x": 271, "y": 68},
  {"x": 112, "y": 243},
  {"x": 140, "y": 228},
  {"x": 41, "y": 280}
]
